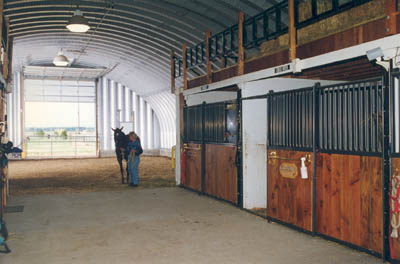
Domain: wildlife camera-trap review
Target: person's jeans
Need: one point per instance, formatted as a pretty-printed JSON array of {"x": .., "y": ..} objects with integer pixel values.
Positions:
[{"x": 133, "y": 168}]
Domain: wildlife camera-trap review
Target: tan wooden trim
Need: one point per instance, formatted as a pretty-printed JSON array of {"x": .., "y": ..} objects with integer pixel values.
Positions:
[
  {"x": 390, "y": 13},
  {"x": 292, "y": 32}
]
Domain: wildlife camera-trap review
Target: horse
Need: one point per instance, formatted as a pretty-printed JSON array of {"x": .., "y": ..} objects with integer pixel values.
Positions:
[{"x": 121, "y": 143}]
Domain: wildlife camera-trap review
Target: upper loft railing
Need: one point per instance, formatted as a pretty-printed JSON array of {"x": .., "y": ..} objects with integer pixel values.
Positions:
[{"x": 269, "y": 24}]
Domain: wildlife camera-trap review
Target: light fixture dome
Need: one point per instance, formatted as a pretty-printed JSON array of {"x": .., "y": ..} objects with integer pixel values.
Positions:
[
  {"x": 78, "y": 23},
  {"x": 60, "y": 60}
]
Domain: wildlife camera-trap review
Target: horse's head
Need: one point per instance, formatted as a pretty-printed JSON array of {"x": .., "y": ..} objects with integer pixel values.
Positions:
[{"x": 118, "y": 134}]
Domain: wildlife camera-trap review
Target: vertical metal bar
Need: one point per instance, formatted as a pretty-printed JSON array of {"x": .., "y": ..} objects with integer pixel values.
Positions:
[
  {"x": 223, "y": 43},
  {"x": 365, "y": 117},
  {"x": 358, "y": 119},
  {"x": 330, "y": 118},
  {"x": 285, "y": 101},
  {"x": 305, "y": 118},
  {"x": 349, "y": 119},
  {"x": 284, "y": 114},
  {"x": 280, "y": 117},
  {"x": 335, "y": 5},
  {"x": 278, "y": 19},
  {"x": 223, "y": 127},
  {"x": 254, "y": 29},
  {"x": 232, "y": 38},
  {"x": 336, "y": 123},
  {"x": 378, "y": 115},
  {"x": 296, "y": 123},
  {"x": 326, "y": 112},
  {"x": 265, "y": 25},
  {"x": 274, "y": 122},
  {"x": 374, "y": 117},
  {"x": 299, "y": 123},
  {"x": 295, "y": 117},
  {"x": 217, "y": 53},
  {"x": 202, "y": 59},
  {"x": 290, "y": 120},
  {"x": 343, "y": 129},
  {"x": 370, "y": 117},
  {"x": 296, "y": 13},
  {"x": 310, "y": 120},
  {"x": 302, "y": 119},
  {"x": 278, "y": 128},
  {"x": 270, "y": 120},
  {"x": 353, "y": 118},
  {"x": 314, "y": 8}
]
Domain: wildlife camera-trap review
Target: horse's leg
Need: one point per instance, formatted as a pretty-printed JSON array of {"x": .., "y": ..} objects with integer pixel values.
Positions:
[
  {"x": 119, "y": 158},
  {"x": 127, "y": 172}
]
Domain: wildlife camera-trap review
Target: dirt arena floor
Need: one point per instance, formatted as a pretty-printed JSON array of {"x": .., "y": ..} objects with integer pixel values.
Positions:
[{"x": 83, "y": 175}]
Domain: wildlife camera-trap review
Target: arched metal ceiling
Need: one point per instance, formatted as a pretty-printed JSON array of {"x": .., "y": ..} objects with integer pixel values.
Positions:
[{"x": 131, "y": 37}]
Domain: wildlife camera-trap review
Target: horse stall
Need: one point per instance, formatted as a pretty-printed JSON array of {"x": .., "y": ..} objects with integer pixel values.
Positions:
[
  {"x": 315, "y": 157},
  {"x": 324, "y": 169},
  {"x": 210, "y": 156},
  {"x": 254, "y": 137}
]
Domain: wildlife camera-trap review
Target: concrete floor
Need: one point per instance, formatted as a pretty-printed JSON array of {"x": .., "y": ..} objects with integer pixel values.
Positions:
[{"x": 169, "y": 225}]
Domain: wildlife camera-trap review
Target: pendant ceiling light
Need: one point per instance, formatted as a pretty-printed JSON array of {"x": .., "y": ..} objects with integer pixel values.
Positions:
[
  {"x": 60, "y": 60},
  {"x": 78, "y": 23}
]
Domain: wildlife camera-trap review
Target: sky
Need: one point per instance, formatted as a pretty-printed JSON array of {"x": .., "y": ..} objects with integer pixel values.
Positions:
[{"x": 47, "y": 114}]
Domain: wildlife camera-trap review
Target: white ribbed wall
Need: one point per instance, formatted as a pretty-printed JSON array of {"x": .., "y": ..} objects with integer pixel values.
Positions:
[
  {"x": 154, "y": 116},
  {"x": 154, "y": 120}
]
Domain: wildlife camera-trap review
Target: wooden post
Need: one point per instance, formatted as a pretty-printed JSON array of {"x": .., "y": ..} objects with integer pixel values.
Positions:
[
  {"x": 184, "y": 67},
  {"x": 292, "y": 32},
  {"x": 172, "y": 72},
  {"x": 209, "y": 69},
  {"x": 390, "y": 12},
  {"x": 240, "y": 45}
]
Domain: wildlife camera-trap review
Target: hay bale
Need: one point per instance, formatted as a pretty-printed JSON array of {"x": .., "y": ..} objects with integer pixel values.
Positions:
[
  {"x": 275, "y": 45},
  {"x": 356, "y": 16}
]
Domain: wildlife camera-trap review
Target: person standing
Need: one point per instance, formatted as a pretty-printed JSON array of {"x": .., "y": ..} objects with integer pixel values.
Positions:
[{"x": 134, "y": 150}]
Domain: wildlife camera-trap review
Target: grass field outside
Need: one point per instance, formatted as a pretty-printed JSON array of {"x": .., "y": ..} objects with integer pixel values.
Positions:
[{"x": 53, "y": 147}]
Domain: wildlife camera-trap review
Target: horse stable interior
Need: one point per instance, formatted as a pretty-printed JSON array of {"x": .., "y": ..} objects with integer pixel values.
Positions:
[{"x": 270, "y": 129}]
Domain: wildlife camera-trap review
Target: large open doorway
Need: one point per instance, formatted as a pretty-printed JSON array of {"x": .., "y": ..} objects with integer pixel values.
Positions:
[{"x": 60, "y": 118}]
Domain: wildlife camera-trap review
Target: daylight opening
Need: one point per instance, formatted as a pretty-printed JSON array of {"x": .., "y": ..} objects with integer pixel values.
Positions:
[{"x": 60, "y": 118}]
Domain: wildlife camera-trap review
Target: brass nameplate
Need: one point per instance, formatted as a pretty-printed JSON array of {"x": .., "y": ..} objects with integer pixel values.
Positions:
[{"x": 288, "y": 170}]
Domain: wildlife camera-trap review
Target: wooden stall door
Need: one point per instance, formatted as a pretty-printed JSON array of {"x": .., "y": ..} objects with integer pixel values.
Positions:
[
  {"x": 289, "y": 197},
  {"x": 349, "y": 199},
  {"x": 221, "y": 172},
  {"x": 192, "y": 166}
]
